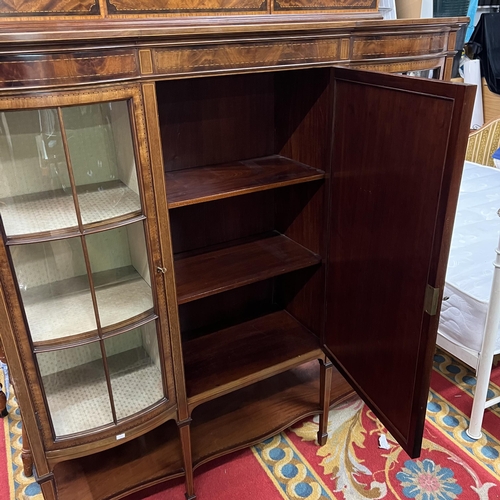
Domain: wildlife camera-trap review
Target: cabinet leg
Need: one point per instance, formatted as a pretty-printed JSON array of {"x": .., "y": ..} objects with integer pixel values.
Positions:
[
  {"x": 185, "y": 433},
  {"x": 48, "y": 488},
  {"x": 3, "y": 403},
  {"x": 3, "y": 398},
  {"x": 326, "y": 372},
  {"x": 26, "y": 455}
]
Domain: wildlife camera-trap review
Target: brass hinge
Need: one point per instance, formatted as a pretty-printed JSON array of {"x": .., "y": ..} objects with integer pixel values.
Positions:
[{"x": 431, "y": 300}]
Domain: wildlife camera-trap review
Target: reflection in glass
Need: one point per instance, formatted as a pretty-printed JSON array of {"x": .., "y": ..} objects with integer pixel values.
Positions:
[
  {"x": 35, "y": 191},
  {"x": 102, "y": 158},
  {"x": 120, "y": 271},
  {"x": 76, "y": 389},
  {"x": 135, "y": 371},
  {"x": 54, "y": 286}
]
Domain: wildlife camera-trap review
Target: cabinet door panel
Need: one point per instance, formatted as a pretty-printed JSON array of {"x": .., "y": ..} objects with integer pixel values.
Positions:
[
  {"x": 74, "y": 383},
  {"x": 120, "y": 274},
  {"x": 398, "y": 148},
  {"x": 88, "y": 315},
  {"x": 135, "y": 370},
  {"x": 102, "y": 156},
  {"x": 34, "y": 173},
  {"x": 55, "y": 289}
]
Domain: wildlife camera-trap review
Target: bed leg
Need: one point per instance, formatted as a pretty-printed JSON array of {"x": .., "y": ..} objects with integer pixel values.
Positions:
[{"x": 487, "y": 352}]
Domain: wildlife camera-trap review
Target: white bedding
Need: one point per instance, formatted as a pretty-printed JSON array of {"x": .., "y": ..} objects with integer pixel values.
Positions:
[{"x": 470, "y": 268}]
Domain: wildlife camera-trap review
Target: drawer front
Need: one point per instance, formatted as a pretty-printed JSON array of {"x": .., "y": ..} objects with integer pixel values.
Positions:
[
  {"x": 401, "y": 66},
  {"x": 186, "y": 7},
  {"x": 399, "y": 45},
  {"x": 287, "y": 6},
  {"x": 66, "y": 69},
  {"x": 227, "y": 57},
  {"x": 36, "y": 8}
]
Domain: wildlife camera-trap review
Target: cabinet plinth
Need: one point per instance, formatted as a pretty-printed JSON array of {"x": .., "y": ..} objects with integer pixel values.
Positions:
[{"x": 109, "y": 474}]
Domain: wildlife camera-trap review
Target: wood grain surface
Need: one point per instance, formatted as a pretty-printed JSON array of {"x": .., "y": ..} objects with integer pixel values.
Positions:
[
  {"x": 388, "y": 208},
  {"x": 186, "y": 7},
  {"x": 64, "y": 68},
  {"x": 324, "y": 5},
  {"x": 198, "y": 185},
  {"x": 241, "y": 418},
  {"x": 224, "y": 361},
  {"x": 216, "y": 271},
  {"x": 110, "y": 472},
  {"x": 17, "y": 8}
]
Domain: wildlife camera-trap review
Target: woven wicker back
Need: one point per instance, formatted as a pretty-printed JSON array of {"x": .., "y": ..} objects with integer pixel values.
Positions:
[{"x": 483, "y": 143}]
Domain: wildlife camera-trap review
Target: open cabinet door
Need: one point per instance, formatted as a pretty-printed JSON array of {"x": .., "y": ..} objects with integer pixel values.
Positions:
[{"x": 398, "y": 149}]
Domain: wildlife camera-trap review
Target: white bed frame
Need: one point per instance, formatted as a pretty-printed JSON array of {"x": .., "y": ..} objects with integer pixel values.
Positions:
[{"x": 482, "y": 361}]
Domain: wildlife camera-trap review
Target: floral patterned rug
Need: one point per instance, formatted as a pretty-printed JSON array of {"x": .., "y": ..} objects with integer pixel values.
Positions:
[{"x": 352, "y": 465}]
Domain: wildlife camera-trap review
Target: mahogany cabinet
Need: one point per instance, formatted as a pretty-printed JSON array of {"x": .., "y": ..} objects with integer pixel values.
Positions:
[{"x": 195, "y": 212}]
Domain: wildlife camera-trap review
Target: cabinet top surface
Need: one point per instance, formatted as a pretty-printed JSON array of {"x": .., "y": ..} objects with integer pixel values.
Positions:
[{"x": 64, "y": 31}]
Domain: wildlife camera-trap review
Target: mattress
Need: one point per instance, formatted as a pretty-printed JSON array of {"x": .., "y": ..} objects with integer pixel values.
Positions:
[{"x": 470, "y": 268}]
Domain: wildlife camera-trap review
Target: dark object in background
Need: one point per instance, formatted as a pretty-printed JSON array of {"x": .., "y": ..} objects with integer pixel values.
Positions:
[
  {"x": 488, "y": 3},
  {"x": 453, "y": 8},
  {"x": 485, "y": 45},
  {"x": 459, "y": 45},
  {"x": 450, "y": 8}
]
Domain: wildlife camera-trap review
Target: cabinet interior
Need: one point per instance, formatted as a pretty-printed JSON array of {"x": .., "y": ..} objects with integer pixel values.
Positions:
[{"x": 245, "y": 160}]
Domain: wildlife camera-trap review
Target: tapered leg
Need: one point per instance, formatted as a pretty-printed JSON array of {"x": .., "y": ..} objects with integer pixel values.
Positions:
[
  {"x": 480, "y": 402},
  {"x": 185, "y": 433},
  {"x": 3, "y": 398},
  {"x": 48, "y": 488},
  {"x": 3, "y": 403},
  {"x": 326, "y": 372},
  {"x": 26, "y": 455}
]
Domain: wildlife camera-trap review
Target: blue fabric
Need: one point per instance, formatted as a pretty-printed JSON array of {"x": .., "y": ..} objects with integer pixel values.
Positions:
[
  {"x": 496, "y": 154},
  {"x": 472, "y": 14}
]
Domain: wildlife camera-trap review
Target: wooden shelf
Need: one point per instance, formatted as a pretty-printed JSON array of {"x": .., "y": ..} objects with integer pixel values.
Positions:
[
  {"x": 78, "y": 397},
  {"x": 201, "y": 184},
  {"x": 242, "y": 418},
  {"x": 224, "y": 361},
  {"x": 146, "y": 460},
  {"x": 54, "y": 211},
  {"x": 221, "y": 269},
  {"x": 61, "y": 310}
]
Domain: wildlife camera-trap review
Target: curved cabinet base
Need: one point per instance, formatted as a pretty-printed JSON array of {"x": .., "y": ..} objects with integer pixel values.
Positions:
[
  {"x": 230, "y": 423},
  {"x": 261, "y": 410},
  {"x": 117, "y": 472}
]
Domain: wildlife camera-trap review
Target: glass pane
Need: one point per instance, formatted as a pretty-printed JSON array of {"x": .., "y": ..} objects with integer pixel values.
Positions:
[
  {"x": 102, "y": 157},
  {"x": 135, "y": 370},
  {"x": 120, "y": 271},
  {"x": 54, "y": 287},
  {"x": 76, "y": 389},
  {"x": 35, "y": 192}
]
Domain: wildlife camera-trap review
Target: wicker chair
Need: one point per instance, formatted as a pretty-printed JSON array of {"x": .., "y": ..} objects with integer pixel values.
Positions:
[{"x": 483, "y": 143}]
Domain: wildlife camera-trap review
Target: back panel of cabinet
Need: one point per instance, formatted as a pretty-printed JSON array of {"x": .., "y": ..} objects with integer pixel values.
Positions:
[{"x": 245, "y": 158}]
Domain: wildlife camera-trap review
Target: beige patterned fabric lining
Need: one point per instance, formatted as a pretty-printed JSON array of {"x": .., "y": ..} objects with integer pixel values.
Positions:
[
  {"x": 483, "y": 143},
  {"x": 78, "y": 397},
  {"x": 49, "y": 211}
]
